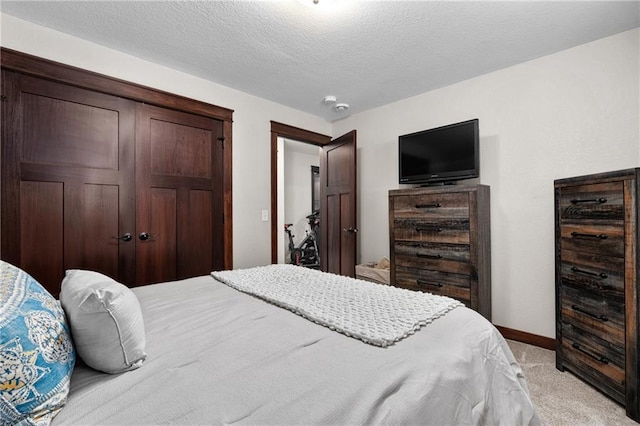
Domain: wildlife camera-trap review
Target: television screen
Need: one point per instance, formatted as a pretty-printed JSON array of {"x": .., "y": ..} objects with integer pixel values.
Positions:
[{"x": 442, "y": 154}]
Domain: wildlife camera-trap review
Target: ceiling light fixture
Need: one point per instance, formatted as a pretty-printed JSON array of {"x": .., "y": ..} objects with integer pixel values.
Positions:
[{"x": 341, "y": 106}]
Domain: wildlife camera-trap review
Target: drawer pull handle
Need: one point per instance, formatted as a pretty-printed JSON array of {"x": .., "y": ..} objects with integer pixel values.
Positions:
[
  {"x": 428, "y": 229},
  {"x": 591, "y": 200},
  {"x": 428, "y": 206},
  {"x": 597, "y": 358},
  {"x": 429, "y": 256},
  {"x": 603, "y": 318},
  {"x": 601, "y": 275},
  {"x": 421, "y": 282},
  {"x": 598, "y": 236}
]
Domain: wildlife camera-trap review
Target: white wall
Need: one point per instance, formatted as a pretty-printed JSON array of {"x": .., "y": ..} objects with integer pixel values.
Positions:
[
  {"x": 251, "y": 121},
  {"x": 567, "y": 114}
]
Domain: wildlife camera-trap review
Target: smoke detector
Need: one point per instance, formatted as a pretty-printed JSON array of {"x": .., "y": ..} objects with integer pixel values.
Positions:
[
  {"x": 341, "y": 106},
  {"x": 328, "y": 100}
]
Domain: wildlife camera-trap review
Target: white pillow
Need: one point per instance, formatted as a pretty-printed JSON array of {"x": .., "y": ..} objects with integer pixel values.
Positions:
[{"x": 105, "y": 319}]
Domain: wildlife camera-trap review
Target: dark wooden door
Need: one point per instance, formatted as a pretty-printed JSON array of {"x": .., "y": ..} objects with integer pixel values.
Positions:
[
  {"x": 179, "y": 173},
  {"x": 67, "y": 180},
  {"x": 338, "y": 224}
]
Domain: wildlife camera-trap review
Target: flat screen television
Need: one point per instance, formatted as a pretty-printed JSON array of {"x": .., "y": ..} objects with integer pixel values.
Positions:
[{"x": 440, "y": 155}]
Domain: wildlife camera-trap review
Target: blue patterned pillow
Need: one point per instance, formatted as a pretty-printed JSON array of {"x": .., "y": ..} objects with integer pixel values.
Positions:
[{"x": 36, "y": 352}]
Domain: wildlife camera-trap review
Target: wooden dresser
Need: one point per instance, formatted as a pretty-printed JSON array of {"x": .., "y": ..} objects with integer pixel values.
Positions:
[
  {"x": 440, "y": 242},
  {"x": 596, "y": 228}
]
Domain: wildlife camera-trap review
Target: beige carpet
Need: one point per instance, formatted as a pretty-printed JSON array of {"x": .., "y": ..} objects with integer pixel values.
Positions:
[{"x": 560, "y": 397}]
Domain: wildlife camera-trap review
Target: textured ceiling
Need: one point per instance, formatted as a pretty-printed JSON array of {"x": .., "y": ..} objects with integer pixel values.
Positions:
[{"x": 366, "y": 53}]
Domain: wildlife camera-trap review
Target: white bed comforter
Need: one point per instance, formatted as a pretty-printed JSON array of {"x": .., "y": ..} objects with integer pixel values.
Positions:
[{"x": 219, "y": 356}]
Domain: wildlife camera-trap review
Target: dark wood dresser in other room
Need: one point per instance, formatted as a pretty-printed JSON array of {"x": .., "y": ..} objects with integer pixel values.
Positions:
[
  {"x": 596, "y": 228},
  {"x": 440, "y": 242}
]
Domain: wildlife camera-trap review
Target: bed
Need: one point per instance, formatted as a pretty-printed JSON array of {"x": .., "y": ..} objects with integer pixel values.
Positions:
[{"x": 217, "y": 355}]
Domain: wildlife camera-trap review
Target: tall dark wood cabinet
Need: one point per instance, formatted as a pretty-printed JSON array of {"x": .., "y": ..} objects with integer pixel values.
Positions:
[
  {"x": 94, "y": 178},
  {"x": 596, "y": 228},
  {"x": 440, "y": 242}
]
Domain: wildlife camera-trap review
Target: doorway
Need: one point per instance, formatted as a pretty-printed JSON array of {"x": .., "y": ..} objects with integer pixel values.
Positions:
[
  {"x": 279, "y": 130},
  {"x": 338, "y": 195},
  {"x": 298, "y": 201}
]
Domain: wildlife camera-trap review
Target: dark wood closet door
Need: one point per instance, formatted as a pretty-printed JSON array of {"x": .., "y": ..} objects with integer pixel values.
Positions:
[
  {"x": 67, "y": 180},
  {"x": 179, "y": 171}
]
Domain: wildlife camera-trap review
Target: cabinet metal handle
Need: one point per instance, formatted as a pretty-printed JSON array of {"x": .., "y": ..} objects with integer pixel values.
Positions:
[
  {"x": 598, "y": 236},
  {"x": 422, "y": 282},
  {"x": 601, "y": 359},
  {"x": 601, "y": 275},
  {"x": 602, "y": 318},
  {"x": 429, "y": 256},
  {"x": 428, "y": 206},
  {"x": 428, "y": 229},
  {"x": 124, "y": 237},
  {"x": 144, "y": 236},
  {"x": 591, "y": 200},
  {"x": 351, "y": 230}
]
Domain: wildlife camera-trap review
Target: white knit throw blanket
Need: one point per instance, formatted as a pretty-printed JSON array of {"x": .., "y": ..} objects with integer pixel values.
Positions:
[{"x": 374, "y": 313}]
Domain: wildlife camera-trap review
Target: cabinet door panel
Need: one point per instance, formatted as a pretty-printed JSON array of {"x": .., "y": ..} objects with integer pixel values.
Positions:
[
  {"x": 68, "y": 152},
  {"x": 178, "y": 181},
  {"x": 156, "y": 256},
  {"x": 41, "y": 231}
]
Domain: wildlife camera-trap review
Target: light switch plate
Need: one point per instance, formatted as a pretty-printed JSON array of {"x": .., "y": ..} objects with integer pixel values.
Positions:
[{"x": 265, "y": 215}]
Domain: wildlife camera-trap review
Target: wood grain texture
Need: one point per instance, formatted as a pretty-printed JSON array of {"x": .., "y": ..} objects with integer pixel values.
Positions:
[
  {"x": 175, "y": 194},
  {"x": 596, "y": 228},
  {"x": 65, "y": 125},
  {"x": 338, "y": 205},
  {"x": 440, "y": 241},
  {"x": 42, "y": 232},
  {"x": 54, "y": 136},
  {"x": 95, "y": 163}
]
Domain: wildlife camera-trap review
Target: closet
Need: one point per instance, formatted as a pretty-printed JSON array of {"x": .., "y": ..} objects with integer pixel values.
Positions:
[{"x": 105, "y": 175}]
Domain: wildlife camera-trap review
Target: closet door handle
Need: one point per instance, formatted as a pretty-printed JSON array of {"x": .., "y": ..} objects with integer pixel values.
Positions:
[{"x": 124, "y": 237}]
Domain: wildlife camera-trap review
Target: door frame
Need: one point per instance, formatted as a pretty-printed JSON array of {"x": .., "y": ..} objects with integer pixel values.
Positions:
[
  {"x": 299, "y": 135},
  {"x": 32, "y": 65}
]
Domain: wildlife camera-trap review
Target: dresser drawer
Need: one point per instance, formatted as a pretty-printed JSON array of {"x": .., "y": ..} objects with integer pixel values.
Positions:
[
  {"x": 600, "y": 201},
  {"x": 600, "y": 316},
  {"x": 455, "y": 231},
  {"x": 605, "y": 240},
  {"x": 588, "y": 362},
  {"x": 606, "y": 352},
  {"x": 457, "y": 286},
  {"x": 601, "y": 275},
  {"x": 440, "y": 257},
  {"x": 432, "y": 206}
]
